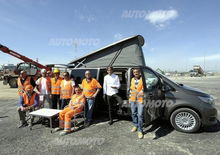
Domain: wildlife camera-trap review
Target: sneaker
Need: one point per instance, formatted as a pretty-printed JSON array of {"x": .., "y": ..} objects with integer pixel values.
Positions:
[
  {"x": 57, "y": 129},
  {"x": 63, "y": 133},
  {"x": 134, "y": 129},
  {"x": 140, "y": 135}
]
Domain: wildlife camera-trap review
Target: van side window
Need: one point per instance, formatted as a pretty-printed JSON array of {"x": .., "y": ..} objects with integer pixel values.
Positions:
[
  {"x": 150, "y": 78},
  {"x": 79, "y": 74},
  {"x": 122, "y": 74}
]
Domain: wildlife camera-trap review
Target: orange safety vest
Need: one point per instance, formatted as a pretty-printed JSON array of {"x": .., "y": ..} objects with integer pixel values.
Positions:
[
  {"x": 89, "y": 88},
  {"x": 66, "y": 92},
  {"x": 137, "y": 94},
  {"x": 21, "y": 87},
  {"x": 56, "y": 85},
  {"x": 48, "y": 84},
  {"x": 28, "y": 101},
  {"x": 77, "y": 100}
]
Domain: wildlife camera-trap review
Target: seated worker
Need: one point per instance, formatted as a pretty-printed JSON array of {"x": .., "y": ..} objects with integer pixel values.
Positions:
[
  {"x": 75, "y": 106},
  {"x": 28, "y": 101}
]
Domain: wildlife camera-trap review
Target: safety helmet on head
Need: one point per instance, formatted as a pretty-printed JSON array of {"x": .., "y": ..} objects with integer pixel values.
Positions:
[
  {"x": 56, "y": 70},
  {"x": 43, "y": 71}
]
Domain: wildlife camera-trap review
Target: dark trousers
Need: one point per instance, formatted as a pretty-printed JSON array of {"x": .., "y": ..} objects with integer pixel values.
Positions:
[
  {"x": 22, "y": 115},
  {"x": 64, "y": 102},
  {"x": 55, "y": 100},
  {"x": 110, "y": 100}
]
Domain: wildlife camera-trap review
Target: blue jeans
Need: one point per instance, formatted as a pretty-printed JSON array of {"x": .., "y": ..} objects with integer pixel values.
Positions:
[
  {"x": 89, "y": 109},
  {"x": 137, "y": 115}
]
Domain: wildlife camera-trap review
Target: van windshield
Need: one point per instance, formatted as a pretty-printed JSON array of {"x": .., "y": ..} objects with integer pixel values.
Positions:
[{"x": 171, "y": 81}]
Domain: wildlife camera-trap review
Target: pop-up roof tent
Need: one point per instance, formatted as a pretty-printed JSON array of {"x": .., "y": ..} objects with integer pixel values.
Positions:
[{"x": 126, "y": 52}]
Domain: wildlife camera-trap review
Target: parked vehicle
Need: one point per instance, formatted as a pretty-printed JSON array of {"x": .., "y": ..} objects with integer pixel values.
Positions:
[
  {"x": 1, "y": 73},
  {"x": 188, "y": 109},
  {"x": 197, "y": 71},
  {"x": 32, "y": 67}
]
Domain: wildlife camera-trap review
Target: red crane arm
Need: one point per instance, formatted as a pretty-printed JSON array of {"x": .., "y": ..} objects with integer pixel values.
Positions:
[{"x": 21, "y": 57}]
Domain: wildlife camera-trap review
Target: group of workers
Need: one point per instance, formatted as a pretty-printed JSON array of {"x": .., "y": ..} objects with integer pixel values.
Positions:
[{"x": 73, "y": 99}]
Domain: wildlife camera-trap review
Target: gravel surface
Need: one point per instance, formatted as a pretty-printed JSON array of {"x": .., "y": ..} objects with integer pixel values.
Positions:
[{"x": 100, "y": 138}]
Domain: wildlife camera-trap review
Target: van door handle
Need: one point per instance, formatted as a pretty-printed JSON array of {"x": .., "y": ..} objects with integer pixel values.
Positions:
[{"x": 150, "y": 94}]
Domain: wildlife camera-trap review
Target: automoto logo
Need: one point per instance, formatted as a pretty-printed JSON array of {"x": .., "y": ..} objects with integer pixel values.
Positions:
[
  {"x": 74, "y": 41},
  {"x": 136, "y": 14},
  {"x": 95, "y": 141},
  {"x": 158, "y": 103}
]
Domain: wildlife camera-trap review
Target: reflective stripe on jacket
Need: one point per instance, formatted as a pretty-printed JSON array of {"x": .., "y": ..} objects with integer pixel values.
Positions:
[
  {"x": 136, "y": 93},
  {"x": 56, "y": 85},
  {"x": 89, "y": 88},
  {"x": 77, "y": 101},
  {"x": 66, "y": 91}
]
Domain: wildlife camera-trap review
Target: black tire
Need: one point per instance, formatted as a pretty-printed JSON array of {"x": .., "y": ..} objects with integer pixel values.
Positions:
[
  {"x": 188, "y": 115},
  {"x": 13, "y": 83}
]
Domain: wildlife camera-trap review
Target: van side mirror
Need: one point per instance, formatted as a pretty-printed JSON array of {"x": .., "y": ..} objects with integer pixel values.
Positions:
[{"x": 166, "y": 88}]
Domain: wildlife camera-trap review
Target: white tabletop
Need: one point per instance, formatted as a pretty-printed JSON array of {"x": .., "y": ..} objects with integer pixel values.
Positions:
[{"x": 45, "y": 112}]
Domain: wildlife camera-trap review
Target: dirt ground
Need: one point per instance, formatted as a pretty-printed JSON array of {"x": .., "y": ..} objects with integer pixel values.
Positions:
[{"x": 100, "y": 138}]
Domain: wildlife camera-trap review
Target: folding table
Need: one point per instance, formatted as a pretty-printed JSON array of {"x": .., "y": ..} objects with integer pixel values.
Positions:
[{"x": 45, "y": 113}]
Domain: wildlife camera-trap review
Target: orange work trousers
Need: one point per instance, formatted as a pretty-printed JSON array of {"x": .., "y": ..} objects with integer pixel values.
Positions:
[{"x": 65, "y": 117}]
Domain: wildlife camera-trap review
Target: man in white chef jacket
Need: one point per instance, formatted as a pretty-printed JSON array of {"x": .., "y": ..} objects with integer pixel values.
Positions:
[{"x": 110, "y": 89}]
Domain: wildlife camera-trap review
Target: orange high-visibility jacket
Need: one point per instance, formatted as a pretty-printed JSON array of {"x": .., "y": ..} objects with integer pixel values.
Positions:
[
  {"x": 21, "y": 86},
  {"x": 48, "y": 84},
  {"x": 30, "y": 101},
  {"x": 66, "y": 92},
  {"x": 89, "y": 88},
  {"x": 136, "y": 94},
  {"x": 77, "y": 101},
  {"x": 56, "y": 85}
]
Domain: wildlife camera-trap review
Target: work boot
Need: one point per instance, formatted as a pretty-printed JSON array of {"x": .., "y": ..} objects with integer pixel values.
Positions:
[
  {"x": 110, "y": 122},
  {"x": 134, "y": 129},
  {"x": 22, "y": 124},
  {"x": 140, "y": 135},
  {"x": 30, "y": 124},
  {"x": 87, "y": 124}
]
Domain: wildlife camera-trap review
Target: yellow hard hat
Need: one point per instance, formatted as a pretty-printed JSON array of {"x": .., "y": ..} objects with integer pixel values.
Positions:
[{"x": 56, "y": 70}]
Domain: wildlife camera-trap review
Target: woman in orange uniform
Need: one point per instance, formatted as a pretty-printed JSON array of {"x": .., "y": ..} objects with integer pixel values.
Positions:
[{"x": 75, "y": 106}]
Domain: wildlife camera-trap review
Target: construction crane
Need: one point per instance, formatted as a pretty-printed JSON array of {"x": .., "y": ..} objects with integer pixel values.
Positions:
[
  {"x": 32, "y": 67},
  {"x": 21, "y": 57}
]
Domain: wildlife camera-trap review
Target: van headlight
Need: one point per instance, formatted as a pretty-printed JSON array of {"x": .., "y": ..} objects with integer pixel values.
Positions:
[{"x": 209, "y": 100}]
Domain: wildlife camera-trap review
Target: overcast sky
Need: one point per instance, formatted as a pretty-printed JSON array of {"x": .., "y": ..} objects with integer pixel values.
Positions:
[{"x": 178, "y": 33}]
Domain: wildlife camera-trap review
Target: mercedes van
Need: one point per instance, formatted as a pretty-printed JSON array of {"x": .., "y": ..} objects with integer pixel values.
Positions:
[{"x": 186, "y": 108}]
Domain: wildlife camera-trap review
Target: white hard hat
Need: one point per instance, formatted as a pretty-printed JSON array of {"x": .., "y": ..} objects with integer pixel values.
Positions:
[{"x": 43, "y": 71}]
